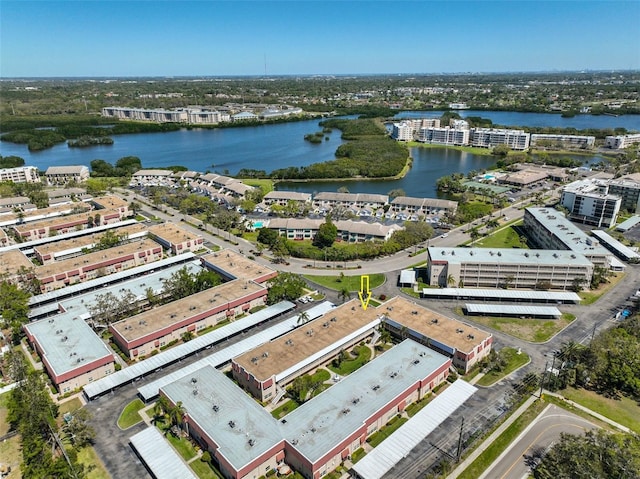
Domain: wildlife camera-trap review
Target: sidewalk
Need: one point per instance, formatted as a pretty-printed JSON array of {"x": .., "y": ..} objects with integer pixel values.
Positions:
[{"x": 487, "y": 442}]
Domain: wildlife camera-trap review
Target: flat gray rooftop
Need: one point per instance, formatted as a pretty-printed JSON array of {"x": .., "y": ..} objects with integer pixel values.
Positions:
[
  {"x": 569, "y": 234},
  {"x": 508, "y": 256},
  {"x": 618, "y": 248},
  {"x": 163, "y": 461},
  {"x": 67, "y": 342},
  {"x": 629, "y": 223},
  {"x": 323, "y": 422},
  {"x": 513, "y": 310},
  {"x": 241, "y": 428},
  {"x": 397, "y": 446},
  {"x": 503, "y": 294}
]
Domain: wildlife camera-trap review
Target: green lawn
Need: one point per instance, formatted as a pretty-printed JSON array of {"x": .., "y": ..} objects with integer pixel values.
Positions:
[
  {"x": 182, "y": 445},
  {"x": 129, "y": 415},
  {"x": 590, "y": 297},
  {"x": 266, "y": 184},
  {"x": 514, "y": 361},
  {"x": 90, "y": 459},
  {"x": 285, "y": 409},
  {"x": 503, "y": 238},
  {"x": 350, "y": 282},
  {"x": 350, "y": 365},
  {"x": 477, "y": 467},
  {"x": 624, "y": 411},
  {"x": 357, "y": 455},
  {"x": 69, "y": 406},
  {"x": 534, "y": 330},
  {"x": 376, "y": 438},
  {"x": 203, "y": 470}
]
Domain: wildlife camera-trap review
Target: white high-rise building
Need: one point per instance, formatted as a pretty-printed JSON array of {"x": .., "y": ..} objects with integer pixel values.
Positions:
[{"x": 492, "y": 137}]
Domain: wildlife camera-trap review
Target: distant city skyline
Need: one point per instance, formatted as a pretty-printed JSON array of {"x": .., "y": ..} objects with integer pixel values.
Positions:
[{"x": 248, "y": 38}]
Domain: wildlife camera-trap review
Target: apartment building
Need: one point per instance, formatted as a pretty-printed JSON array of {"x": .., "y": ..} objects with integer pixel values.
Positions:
[
  {"x": 492, "y": 137},
  {"x": 402, "y": 132},
  {"x": 61, "y": 175},
  {"x": 351, "y": 231},
  {"x": 589, "y": 203},
  {"x": 576, "y": 141},
  {"x": 83, "y": 268},
  {"x": 620, "y": 142},
  {"x": 151, "y": 178},
  {"x": 152, "y": 330},
  {"x": 175, "y": 238},
  {"x": 549, "y": 229},
  {"x": 349, "y": 200},
  {"x": 53, "y": 226},
  {"x": 20, "y": 174},
  {"x": 113, "y": 204},
  {"x": 444, "y": 136},
  {"x": 15, "y": 202},
  {"x": 507, "y": 268},
  {"x": 72, "y": 354},
  {"x": 628, "y": 189},
  {"x": 423, "y": 206},
  {"x": 283, "y": 198}
]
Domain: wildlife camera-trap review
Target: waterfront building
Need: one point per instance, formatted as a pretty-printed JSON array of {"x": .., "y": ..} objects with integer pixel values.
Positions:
[
  {"x": 589, "y": 203},
  {"x": 492, "y": 137},
  {"x": 549, "y": 229},
  {"x": 349, "y": 200},
  {"x": 206, "y": 117},
  {"x": 628, "y": 189},
  {"x": 61, "y": 175},
  {"x": 151, "y": 178},
  {"x": 620, "y": 142},
  {"x": 348, "y": 230},
  {"x": 214, "y": 184},
  {"x": 20, "y": 174},
  {"x": 444, "y": 136},
  {"x": 141, "y": 114},
  {"x": 402, "y": 132},
  {"x": 72, "y": 354},
  {"x": 579, "y": 141},
  {"x": 507, "y": 268},
  {"x": 427, "y": 207},
  {"x": 244, "y": 116},
  {"x": 282, "y": 198}
]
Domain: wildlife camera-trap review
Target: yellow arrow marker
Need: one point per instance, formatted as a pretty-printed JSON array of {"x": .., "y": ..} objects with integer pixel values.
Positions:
[{"x": 365, "y": 293}]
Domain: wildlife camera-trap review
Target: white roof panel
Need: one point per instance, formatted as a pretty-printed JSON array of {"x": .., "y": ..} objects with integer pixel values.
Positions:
[
  {"x": 507, "y": 294},
  {"x": 159, "y": 456},
  {"x": 513, "y": 310},
  {"x": 379, "y": 461}
]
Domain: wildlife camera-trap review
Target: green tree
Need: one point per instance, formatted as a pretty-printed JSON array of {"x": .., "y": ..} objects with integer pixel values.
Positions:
[
  {"x": 285, "y": 286},
  {"x": 344, "y": 294},
  {"x": 396, "y": 192},
  {"x": 303, "y": 317},
  {"x": 326, "y": 235},
  {"x": 14, "y": 305},
  {"x": 267, "y": 236},
  {"x": 501, "y": 150}
]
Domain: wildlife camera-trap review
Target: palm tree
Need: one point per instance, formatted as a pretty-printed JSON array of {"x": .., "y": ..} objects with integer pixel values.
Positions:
[
  {"x": 451, "y": 281},
  {"x": 176, "y": 414},
  {"x": 344, "y": 294},
  {"x": 303, "y": 317},
  {"x": 161, "y": 407}
]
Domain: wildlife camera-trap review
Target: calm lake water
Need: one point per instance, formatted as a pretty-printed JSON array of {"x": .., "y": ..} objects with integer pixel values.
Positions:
[{"x": 270, "y": 147}]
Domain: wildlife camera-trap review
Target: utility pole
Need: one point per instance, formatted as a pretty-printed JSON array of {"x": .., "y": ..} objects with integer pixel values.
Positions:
[{"x": 460, "y": 441}]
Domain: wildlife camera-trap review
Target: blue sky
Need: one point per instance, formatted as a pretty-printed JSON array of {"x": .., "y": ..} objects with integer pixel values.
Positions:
[{"x": 184, "y": 38}]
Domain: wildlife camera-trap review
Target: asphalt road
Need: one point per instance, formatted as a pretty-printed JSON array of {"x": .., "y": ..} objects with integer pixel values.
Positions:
[{"x": 543, "y": 432}]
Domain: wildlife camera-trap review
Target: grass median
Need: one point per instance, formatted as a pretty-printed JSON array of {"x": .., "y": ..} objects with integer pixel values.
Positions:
[
  {"x": 130, "y": 414},
  {"x": 352, "y": 283},
  {"x": 514, "y": 360}
]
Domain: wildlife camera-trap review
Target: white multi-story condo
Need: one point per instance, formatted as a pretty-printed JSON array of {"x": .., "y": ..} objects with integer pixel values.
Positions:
[
  {"x": 507, "y": 268},
  {"x": 20, "y": 174},
  {"x": 620, "y": 142},
  {"x": 579, "y": 141},
  {"x": 402, "y": 132},
  {"x": 589, "y": 203},
  {"x": 444, "y": 136},
  {"x": 61, "y": 175},
  {"x": 492, "y": 137}
]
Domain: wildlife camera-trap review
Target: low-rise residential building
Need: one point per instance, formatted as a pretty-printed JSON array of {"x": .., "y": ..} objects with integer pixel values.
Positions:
[
  {"x": 507, "y": 268},
  {"x": 65, "y": 224},
  {"x": 151, "y": 178},
  {"x": 464, "y": 343},
  {"x": 20, "y": 174},
  {"x": 13, "y": 263},
  {"x": 349, "y": 200},
  {"x": 61, "y": 196},
  {"x": 620, "y": 142},
  {"x": 231, "y": 265},
  {"x": 267, "y": 369},
  {"x": 59, "y": 250},
  {"x": 112, "y": 203},
  {"x": 72, "y": 354},
  {"x": 29, "y": 214},
  {"x": 423, "y": 206},
  {"x": 175, "y": 238},
  {"x": 152, "y": 330},
  {"x": 549, "y": 229},
  {"x": 492, "y": 137},
  {"x": 578, "y": 141},
  {"x": 61, "y": 175},
  {"x": 351, "y": 231},
  {"x": 589, "y": 203},
  {"x": 282, "y": 198},
  {"x": 224, "y": 184},
  {"x": 99, "y": 263}
]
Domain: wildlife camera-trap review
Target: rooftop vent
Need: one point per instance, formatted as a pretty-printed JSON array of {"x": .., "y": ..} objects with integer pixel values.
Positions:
[
  {"x": 288, "y": 342},
  {"x": 334, "y": 319},
  {"x": 254, "y": 359},
  {"x": 215, "y": 408},
  {"x": 459, "y": 330},
  {"x": 393, "y": 375},
  {"x": 416, "y": 361},
  {"x": 376, "y": 387},
  {"x": 194, "y": 380},
  {"x": 470, "y": 336},
  {"x": 346, "y": 411},
  {"x": 232, "y": 424},
  {"x": 434, "y": 321},
  {"x": 355, "y": 400},
  {"x": 265, "y": 354},
  {"x": 251, "y": 442}
]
